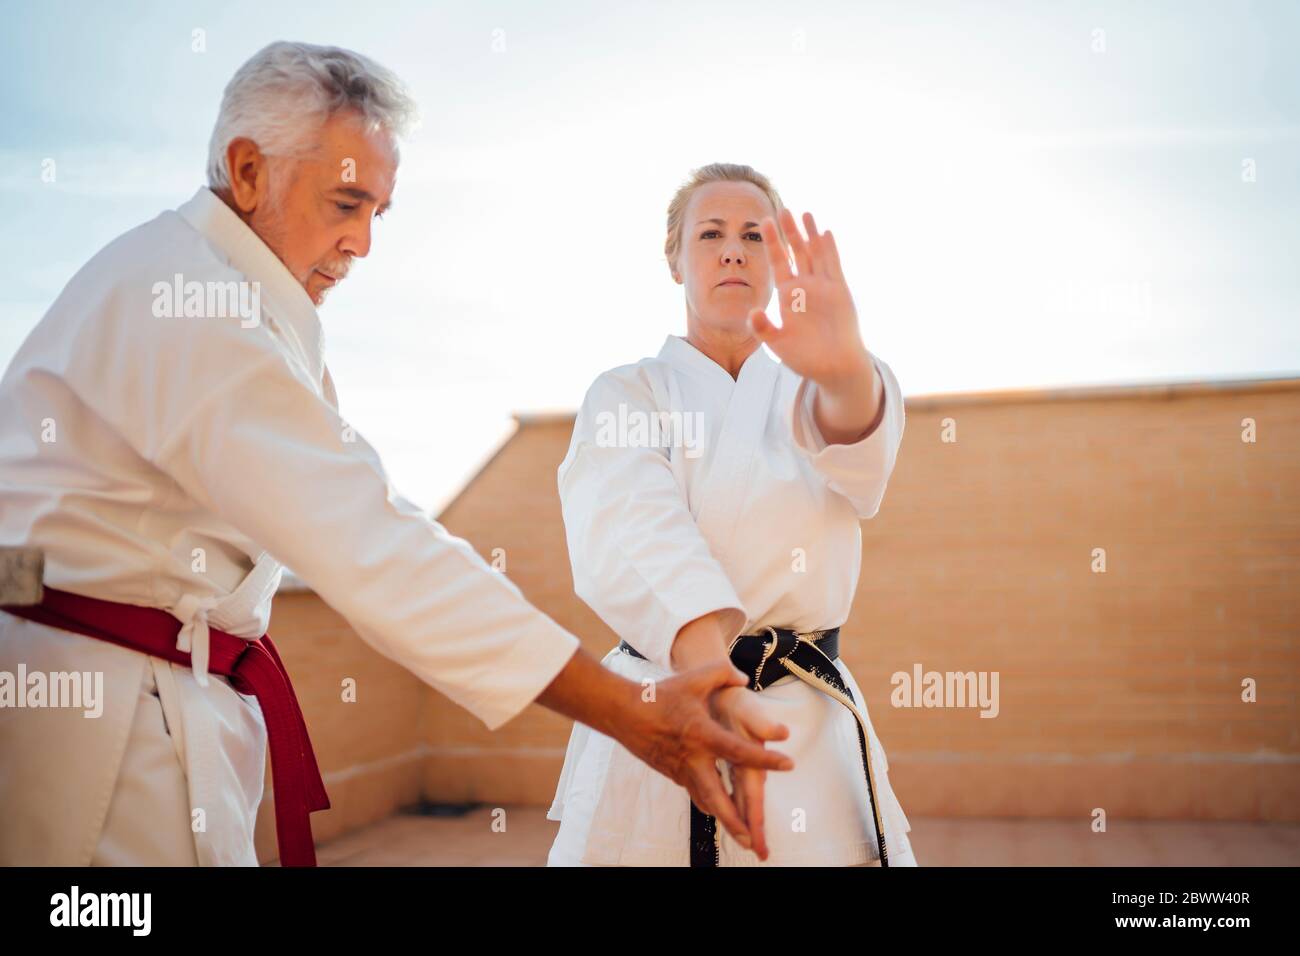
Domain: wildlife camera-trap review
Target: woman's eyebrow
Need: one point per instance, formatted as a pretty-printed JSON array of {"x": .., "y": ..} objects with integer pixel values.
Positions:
[{"x": 723, "y": 222}]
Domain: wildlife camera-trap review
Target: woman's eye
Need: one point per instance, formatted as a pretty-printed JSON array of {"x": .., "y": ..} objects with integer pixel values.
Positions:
[
  {"x": 756, "y": 236},
  {"x": 346, "y": 207},
  {"x": 709, "y": 233}
]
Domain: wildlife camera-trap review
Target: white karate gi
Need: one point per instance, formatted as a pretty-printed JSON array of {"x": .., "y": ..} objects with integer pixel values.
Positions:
[
  {"x": 175, "y": 434},
  {"x": 759, "y": 519}
]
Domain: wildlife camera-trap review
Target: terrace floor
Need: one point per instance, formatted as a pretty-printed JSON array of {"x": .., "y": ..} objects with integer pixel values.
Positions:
[{"x": 466, "y": 837}]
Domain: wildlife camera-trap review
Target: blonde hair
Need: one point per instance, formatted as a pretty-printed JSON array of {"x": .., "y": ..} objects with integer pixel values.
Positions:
[{"x": 714, "y": 173}]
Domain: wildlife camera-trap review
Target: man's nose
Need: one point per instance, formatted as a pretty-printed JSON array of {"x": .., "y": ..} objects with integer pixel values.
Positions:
[{"x": 357, "y": 242}]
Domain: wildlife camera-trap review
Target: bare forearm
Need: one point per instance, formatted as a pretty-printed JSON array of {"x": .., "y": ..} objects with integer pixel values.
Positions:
[
  {"x": 591, "y": 694},
  {"x": 848, "y": 411}
]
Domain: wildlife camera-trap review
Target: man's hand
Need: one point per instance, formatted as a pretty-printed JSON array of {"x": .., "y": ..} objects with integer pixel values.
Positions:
[
  {"x": 684, "y": 741},
  {"x": 673, "y": 730}
]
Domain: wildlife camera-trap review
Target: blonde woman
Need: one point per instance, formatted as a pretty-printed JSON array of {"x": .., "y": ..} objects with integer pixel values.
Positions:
[{"x": 712, "y": 499}]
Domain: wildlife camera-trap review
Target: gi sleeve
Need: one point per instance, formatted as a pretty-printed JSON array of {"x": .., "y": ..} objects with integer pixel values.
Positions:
[
  {"x": 268, "y": 454},
  {"x": 638, "y": 558},
  {"x": 859, "y": 471}
]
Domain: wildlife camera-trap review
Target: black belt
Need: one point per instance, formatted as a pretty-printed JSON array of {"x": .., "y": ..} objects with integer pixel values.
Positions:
[{"x": 765, "y": 658}]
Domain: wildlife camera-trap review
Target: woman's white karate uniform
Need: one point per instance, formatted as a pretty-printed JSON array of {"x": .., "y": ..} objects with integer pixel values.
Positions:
[{"x": 740, "y": 506}]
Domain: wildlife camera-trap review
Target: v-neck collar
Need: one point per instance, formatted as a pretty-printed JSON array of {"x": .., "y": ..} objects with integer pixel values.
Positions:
[{"x": 683, "y": 354}]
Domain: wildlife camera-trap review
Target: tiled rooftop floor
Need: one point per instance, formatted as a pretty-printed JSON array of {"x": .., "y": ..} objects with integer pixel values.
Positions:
[{"x": 469, "y": 840}]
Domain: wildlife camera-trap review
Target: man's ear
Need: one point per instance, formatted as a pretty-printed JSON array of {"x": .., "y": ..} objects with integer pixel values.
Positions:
[{"x": 247, "y": 169}]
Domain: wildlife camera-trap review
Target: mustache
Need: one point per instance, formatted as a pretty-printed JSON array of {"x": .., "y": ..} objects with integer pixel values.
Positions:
[{"x": 338, "y": 270}]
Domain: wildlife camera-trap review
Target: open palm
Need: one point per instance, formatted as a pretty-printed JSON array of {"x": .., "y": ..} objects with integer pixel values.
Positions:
[{"x": 819, "y": 336}]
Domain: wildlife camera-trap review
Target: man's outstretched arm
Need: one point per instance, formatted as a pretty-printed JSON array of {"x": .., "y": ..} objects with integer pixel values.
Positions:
[{"x": 266, "y": 453}]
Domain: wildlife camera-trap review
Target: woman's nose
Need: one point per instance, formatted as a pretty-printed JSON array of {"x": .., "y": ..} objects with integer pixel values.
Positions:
[{"x": 733, "y": 256}]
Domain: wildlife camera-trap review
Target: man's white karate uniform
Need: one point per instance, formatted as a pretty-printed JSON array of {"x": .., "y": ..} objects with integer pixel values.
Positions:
[
  {"x": 175, "y": 463},
  {"x": 756, "y": 516}
]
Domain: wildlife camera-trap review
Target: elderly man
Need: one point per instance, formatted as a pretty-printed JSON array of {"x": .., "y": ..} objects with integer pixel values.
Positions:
[{"x": 169, "y": 434}]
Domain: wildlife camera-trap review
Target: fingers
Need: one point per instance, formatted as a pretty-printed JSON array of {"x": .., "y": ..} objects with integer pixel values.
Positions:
[
  {"x": 816, "y": 250},
  {"x": 776, "y": 254},
  {"x": 749, "y": 788},
  {"x": 825, "y": 257},
  {"x": 743, "y": 753},
  {"x": 764, "y": 728},
  {"x": 831, "y": 256},
  {"x": 802, "y": 256},
  {"x": 738, "y": 793},
  {"x": 752, "y": 718},
  {"x": 825, "y": 254},
  {"x": 709, "y": 796},
  {"x": 815, "y": 255},
  {"x": 746, "y": 802}
]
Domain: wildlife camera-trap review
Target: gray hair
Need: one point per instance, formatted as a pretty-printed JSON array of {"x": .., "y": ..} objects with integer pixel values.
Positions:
[{"x": 286, "y": 90}]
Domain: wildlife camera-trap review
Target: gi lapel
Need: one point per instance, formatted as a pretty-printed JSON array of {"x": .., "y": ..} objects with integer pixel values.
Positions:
[
  {"x": 292, "y": 313},
  {"x": 731, "y": 471}
]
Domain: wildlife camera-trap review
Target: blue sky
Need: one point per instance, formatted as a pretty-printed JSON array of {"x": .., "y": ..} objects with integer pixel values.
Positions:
[{"x": 1025, "y": 194}]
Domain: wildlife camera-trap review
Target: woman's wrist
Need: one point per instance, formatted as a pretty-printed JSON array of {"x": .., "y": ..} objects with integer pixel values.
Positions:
[
  {"x": 700, "y": 642},
  {"x": 849, "y": 411}
]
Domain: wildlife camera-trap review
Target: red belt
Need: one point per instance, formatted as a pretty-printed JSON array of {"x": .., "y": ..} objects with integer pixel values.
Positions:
[{"x": 253, "y": 668}]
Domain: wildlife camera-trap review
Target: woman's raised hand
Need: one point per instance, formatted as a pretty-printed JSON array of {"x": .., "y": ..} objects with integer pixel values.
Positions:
[{"x": 819, "y": 336}]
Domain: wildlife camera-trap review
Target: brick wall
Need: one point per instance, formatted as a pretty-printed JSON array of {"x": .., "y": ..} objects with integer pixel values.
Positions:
[{"x": 1120, "y": 690}]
